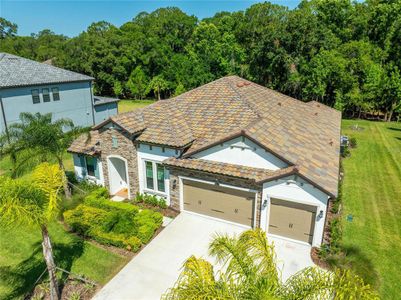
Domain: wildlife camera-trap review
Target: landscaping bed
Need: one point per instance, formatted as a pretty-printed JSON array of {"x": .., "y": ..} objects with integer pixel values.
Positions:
[{"x": 113, "y": 223}]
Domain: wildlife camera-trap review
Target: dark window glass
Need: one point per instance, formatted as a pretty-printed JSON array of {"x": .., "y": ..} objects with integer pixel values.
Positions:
[
  {"x": 56, "y": 94},
  {"x": 90, "y": 165},
  {"x": 35, "y": 96},
  {"x": 149, "y": 175},
  {"x": 160, "y": 178},
  {"x": 45, "y": 95}
]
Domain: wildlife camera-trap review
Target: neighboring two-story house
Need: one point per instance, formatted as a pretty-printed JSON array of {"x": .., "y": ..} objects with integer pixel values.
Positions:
[
  {"x": 231, "y": 150},
  {"x": 30, "y": 86}
]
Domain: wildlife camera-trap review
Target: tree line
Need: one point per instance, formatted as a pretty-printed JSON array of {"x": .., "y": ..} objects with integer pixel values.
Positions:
[{"x": 344, "y": 54}]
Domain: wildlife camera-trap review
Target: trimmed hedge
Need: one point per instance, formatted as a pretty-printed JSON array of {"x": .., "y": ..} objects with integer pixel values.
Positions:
[{"x": 113, "y": 223}]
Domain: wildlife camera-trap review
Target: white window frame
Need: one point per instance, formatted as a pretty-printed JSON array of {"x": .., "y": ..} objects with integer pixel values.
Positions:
[{"x": 155, "y": 189}]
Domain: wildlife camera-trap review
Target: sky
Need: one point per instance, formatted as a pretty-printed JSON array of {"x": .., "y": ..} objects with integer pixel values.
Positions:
[{"x": 74, "y": 16}]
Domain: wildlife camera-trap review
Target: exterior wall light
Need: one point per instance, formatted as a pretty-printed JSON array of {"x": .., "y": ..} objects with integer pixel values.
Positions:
[
  {"x": 264, "y": 203},
  {"x": 320, "y": 214}
]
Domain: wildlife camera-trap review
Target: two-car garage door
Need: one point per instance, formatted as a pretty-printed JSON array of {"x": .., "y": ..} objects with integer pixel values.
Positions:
[{"x": 220, "y": 202}]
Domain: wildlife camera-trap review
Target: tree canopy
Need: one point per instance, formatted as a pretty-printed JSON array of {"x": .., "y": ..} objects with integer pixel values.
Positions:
[{"x": 344, "y": 53}]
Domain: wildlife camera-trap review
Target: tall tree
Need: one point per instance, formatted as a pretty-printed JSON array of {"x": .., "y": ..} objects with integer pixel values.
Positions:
[
  {"x": 39, "y": 133},
  {"x": 7, "y": 28},
  {"x": 34, "y": 204},
  {"x": 250, "y": 272}
]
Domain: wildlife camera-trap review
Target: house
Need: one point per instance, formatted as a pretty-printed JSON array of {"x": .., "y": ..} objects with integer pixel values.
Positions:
[
  {"x": 231, "y": 150},
  {"x": 30, "y": 86}
]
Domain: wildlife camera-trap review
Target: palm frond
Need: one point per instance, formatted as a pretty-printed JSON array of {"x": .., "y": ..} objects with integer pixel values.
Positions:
[
  {"x": 21, "y": 203},
  {"x": 197, "y": 281}
]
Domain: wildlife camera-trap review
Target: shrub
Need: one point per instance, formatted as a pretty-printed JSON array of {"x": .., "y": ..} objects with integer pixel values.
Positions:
[
  {"x": 146, "y": 231},
  {"x": 152, "y": 200},
  {"x": 353, "y": 143},
  {"x": 106, "y": 204},
  {"x": 147, "y": 221},
  {"x": 115, "y": 239},
  {"x": 83, "y": 217}
]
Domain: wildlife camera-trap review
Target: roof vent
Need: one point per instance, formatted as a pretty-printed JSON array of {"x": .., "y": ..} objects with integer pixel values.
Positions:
[
  {"x": 315, "y": 113},
  {"x": 240, "y": 84},
  {"x": 279, "y": 104},
  {"x": 247, "y": 83},
  {"x": 331, "y": 142}
]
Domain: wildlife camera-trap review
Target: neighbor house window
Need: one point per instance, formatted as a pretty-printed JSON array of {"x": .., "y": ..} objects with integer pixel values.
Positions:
[
  {"x": 91, "y": 164},
  {"x": 155, "y": 176},
  {"x": 45, "y": 95},
  {"x": 35, "y": 96},
  {"x": 56, "y": 94}
]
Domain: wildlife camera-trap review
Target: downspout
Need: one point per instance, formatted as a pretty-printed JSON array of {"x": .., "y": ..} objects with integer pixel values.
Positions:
[
  {"x": 93, "y": 104},
  {"x": 4, "y": 118}
]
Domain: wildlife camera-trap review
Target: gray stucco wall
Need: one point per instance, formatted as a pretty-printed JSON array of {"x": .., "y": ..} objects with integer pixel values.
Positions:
[
  {"x": 105, "y": 111},
  {"x": 75, "y": 103}
]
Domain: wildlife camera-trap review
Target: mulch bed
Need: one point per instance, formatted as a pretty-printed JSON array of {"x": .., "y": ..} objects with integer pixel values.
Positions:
[
  {"x": 167, "y": 212},
  {"x": 314, "y": 254},
  {"x": 71, "y": 289}
]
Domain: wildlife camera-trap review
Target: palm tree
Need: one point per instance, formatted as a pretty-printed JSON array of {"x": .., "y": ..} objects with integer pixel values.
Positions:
[
  {"x": 34, "y": 204},
  {"x": 249, "y": 271},
  {"x": 39, "y": 136}
]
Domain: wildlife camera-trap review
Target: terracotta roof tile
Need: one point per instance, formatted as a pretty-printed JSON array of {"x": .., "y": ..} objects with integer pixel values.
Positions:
[
  {"x": 256, "y": 174},
  {"x": 86, "y": 144}
]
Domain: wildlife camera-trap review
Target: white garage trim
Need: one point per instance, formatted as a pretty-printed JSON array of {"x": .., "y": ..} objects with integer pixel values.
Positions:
[
  {"x": 181, "y": 185},
  {"x": 295, "y": 189},
  {"x": 283, "y": 237}
]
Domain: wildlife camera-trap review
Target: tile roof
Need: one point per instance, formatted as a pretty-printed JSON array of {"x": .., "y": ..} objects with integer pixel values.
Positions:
[
  {"x": 86, "y": 144},
  {"x": 17, "y": 71},
  {"x": 306, "y": 135},
  {"x": 256, "y": 174}
]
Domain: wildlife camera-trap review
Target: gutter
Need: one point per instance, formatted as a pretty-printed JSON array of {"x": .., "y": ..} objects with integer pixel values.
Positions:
[
  {"x": 93, "y": 104},
  {"x": 4, "y": 118}
]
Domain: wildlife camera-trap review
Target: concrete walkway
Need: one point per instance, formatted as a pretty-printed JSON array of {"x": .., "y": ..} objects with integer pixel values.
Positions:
[{"x": 156, "y": 268}]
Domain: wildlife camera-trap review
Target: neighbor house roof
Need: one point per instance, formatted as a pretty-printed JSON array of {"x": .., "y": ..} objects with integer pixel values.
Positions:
[
  {"x": 17, "y": 71},
  {"x": 100, "y": 100},
  {"x": 305, "y": 135}
]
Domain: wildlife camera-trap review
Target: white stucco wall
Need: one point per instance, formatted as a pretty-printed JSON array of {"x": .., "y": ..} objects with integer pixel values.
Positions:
[
  {"x": 293, "y": 188},
  {"x": 156, "y": 154},
  {"x": 81, "y": 173},
  {"x": 244, "y": 152}
]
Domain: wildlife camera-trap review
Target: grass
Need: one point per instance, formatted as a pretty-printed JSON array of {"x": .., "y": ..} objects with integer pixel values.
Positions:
[
  {"x": 128, "y": 105},
  {"x": 21, "y": 260},
  {"x": 372, "y": 195}
]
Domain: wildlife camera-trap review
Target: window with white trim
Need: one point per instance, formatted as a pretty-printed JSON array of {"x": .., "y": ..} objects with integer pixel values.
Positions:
[
  {"x": 155, "y": 175},
  {"x": 35, "y": 96},
  {"x": 56, "y": 94},
  {"x": 46, "y": 95}
]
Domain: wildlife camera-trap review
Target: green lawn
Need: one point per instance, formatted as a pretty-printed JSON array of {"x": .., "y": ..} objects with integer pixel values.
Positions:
[
  {"x": 372, "y": 194},
  {"x": 21, "y": 260},
  {"x": 128, "y": 105}
]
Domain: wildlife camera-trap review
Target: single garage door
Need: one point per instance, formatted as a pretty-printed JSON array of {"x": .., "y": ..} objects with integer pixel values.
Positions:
[
  {"x": 219, "y": 202},
  {"x": 292, "y": 220}
]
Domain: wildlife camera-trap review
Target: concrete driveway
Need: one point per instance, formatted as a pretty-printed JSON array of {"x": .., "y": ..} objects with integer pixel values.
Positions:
[{"x": 156, "y": 268}]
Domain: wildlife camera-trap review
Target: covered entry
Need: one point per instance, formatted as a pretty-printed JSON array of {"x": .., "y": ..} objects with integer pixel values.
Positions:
[
  {"x": 292, "y": 220},
  {"x": 118, "y": 177},
  {"x": 219, "y": 202}
]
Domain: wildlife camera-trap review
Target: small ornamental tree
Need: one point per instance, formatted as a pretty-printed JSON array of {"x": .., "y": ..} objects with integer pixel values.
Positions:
[
  {"x": 34, "y": 204},
  {"x": 250, "y": 272}
]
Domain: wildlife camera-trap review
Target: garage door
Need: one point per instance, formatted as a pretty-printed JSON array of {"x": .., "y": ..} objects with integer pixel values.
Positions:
[
  {"x": 292, "y": 220},
  {"x": 219, "y": 202}
]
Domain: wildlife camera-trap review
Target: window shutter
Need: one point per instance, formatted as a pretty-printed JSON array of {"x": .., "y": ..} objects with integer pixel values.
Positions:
[
  {"x": 96, "y": 168},
  {"x": 83, "y": 165}
]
